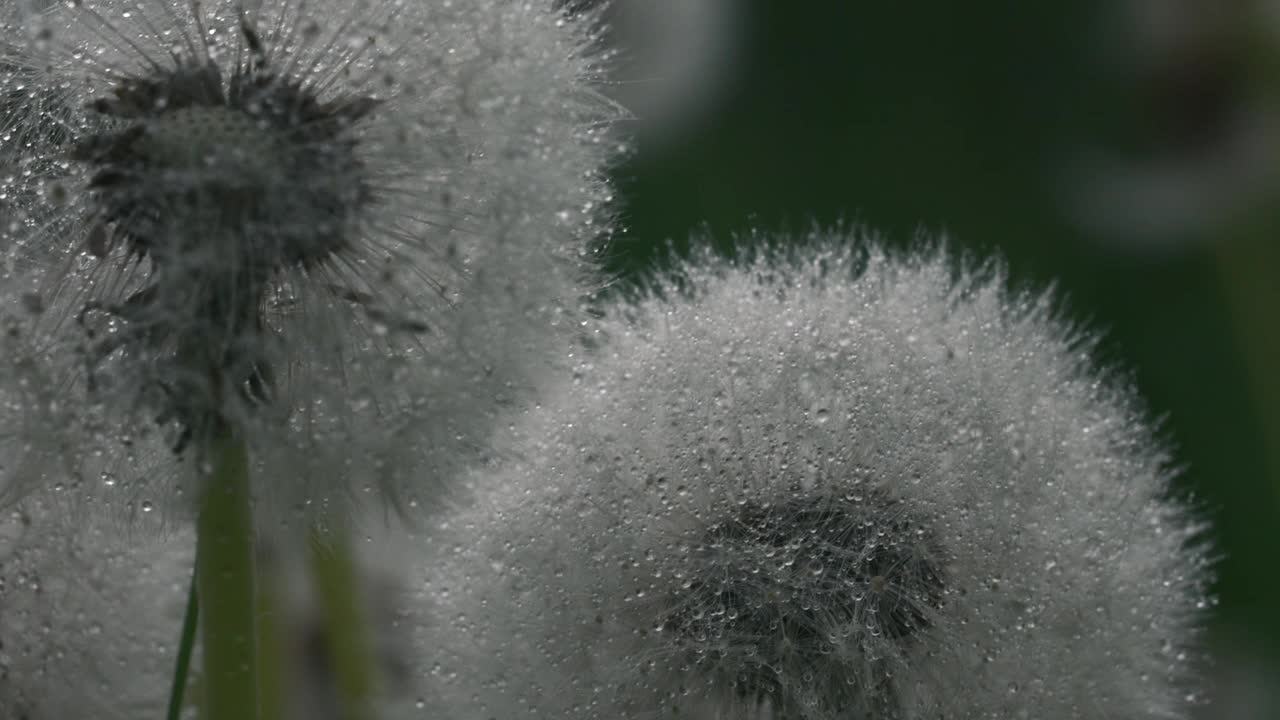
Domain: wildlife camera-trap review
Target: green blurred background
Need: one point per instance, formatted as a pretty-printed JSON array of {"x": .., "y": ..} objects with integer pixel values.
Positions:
[{"x": 1103, "y": 147}]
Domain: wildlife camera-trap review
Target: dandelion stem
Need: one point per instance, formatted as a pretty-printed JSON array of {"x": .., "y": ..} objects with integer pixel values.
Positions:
[
  {"x": 271, "y": 651},
  {"x": 333, "y": 570},
  {"x": 225, "y": 582},
  {"x": 185, "y": 646}
]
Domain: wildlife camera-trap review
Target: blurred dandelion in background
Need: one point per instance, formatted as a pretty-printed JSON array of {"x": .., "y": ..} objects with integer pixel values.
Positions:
[
  {"x": 100, "y": 603},
  {"x": 1204, "y": 160},
  {"x": 824, "y": 482},
  {"x": 89, "y": 613}
]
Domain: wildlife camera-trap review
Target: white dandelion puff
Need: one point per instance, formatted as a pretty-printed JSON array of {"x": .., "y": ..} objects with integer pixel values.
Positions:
[
  {"x": 328, "y": 225},
  {"x": 837, "y": 485},
  {"x": 89, "y": 615}
]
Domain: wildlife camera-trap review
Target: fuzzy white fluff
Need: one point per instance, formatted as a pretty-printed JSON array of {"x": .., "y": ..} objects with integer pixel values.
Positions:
[
  {"x": 90, "y": 613},
  {"x": 995, "y": 536},
  {"x": 484, "y": 158}
]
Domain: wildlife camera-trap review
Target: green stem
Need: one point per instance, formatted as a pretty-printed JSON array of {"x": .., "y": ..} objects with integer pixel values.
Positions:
[
  {"x": 185, "y": 646},
  {"x": 271, "y": 649},
  {"x": 225, "y": 582},
  {"x": 333, "y": 570}
]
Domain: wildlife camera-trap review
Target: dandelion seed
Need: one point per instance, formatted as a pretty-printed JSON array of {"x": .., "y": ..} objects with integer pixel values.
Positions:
[
  {"x": 327, "y": 224},
  {"x": 835, "y": 485}
]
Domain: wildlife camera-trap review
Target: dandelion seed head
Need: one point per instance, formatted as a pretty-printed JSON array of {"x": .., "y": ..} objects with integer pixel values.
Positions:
[
  {"x": 324, "y": 224},
  {"x": 220, "y": 185},
  {"x": 264, "y": 166},
  {"x": 819, "y": 484},
  {"x": 780, "y": 577}
]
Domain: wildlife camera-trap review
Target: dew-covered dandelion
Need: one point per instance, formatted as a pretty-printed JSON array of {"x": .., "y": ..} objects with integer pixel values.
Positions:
[
  {"x": 835, "y": 485},
  {"x": 263, "y": 259},
  {"x": 324, "y": 225}
]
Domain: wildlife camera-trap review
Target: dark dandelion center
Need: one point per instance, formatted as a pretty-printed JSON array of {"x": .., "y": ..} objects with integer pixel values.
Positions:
[
  {"x": 794, "y": 589},
  {"x": 220, "y": 181},
  {"x": 282, "y": 193},
  {"x": 258, "y": 155}
]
